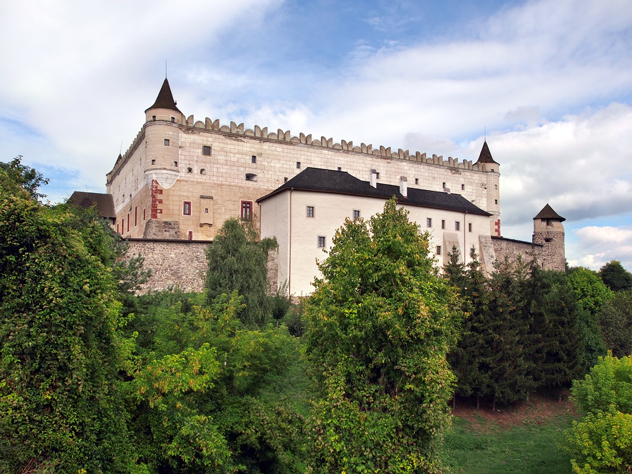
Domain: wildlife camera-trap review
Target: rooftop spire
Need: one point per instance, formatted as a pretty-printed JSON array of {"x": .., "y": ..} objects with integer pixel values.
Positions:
[
  {"x": 165, "y": 98},
  {"x": 486, "y": 155}
]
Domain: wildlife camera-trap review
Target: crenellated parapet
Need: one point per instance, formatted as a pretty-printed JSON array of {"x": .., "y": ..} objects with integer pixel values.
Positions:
[
  {"x": 323, "y": 142},
  {"x": 303, "y": 139}
]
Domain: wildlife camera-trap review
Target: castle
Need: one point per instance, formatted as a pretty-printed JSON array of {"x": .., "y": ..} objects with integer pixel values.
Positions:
[{"x": 181, "y": 179}]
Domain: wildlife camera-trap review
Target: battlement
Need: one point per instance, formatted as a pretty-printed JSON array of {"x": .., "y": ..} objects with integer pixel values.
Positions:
[{"x": 303, "y": 139}]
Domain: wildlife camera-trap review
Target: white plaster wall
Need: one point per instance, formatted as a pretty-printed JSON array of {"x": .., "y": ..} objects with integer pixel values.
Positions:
[{"x": 330, "y": 212}]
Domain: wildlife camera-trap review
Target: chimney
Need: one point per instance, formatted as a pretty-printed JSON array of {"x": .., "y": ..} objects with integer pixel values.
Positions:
[
  {"x": 373, "y": 178},
  {"x": 403, "y": 186}
]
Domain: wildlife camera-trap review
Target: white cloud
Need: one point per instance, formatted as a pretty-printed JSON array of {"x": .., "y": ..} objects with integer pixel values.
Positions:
[{"x": 599, "y": 245}]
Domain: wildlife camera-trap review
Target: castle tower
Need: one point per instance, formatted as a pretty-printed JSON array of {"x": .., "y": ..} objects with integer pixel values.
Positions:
[
  {"x": 492, "y": 186},
  {"x": 549, "y": 232}
]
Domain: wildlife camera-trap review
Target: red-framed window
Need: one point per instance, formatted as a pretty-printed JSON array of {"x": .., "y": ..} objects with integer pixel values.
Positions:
[
  {"x": 190, "y": 235},
  {"x": 135, "y": 216},
  {"x": 144, "y": 214},
  {"x": 186, "y": 208},
  {"x": 128, "y": 222},
  {"x": 246, "y": 210}
]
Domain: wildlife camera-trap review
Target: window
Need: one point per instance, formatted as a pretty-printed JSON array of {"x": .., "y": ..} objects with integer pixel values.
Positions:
[
  {"x": 128, "y": 222},
  {"x": 469, "y": 227},
  {"x": 298, "y": 164},
  {"x": 175, "y": 163},
  {"x": 339, "y": 168},
  {"x": 254, "y": 159},
  {"x": 246, "y": 210},
  {"x": 457, "y": 225},
  {"x": 206, "y": 210},
  {"x": 189, "y": 170},
  {"x": 166, "y": 142},
  {"x": 206, "y": 150},
  {"x": 356, "y": 215},
  {"x": 285, "y": 179},
  {"x": 438, "y": 249},
  {"x": 310, "y": 211},
  {"x": 495, "y": 186},
  {"x": 495, "y": 201},
  {"x": 443, "y": 185},
  {"x": 443, "y": 224},
  {"x": 428, "y": 222},
  {"x": 202, "y": 171},
  {"x": 321, "y": 242},
  {"x": 117, "y": 229},
  {"x": 186, "y": 208},
  {"x": 462, "y": 187},
  {"x": 251, "y": 177},
  {"x": 144, "y": 215},
  {"x": 153, "y": 117},
  {"x": 416, "y": 180},
  {"x": 153, "y": 162},
  {"x": 135, "y": 216},
  {"x": 173, "y": 119},
  {"x": 190, "y": 235},
  {"x": 377, "y": 175}
]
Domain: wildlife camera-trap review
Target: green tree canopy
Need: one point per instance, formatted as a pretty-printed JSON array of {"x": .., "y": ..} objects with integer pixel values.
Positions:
[
  {"x": 59, "y": 357},
  {"x": 615, "y": 276},
  {"x": 380, "y": 325},
  {"x": 237, "y": 261}
]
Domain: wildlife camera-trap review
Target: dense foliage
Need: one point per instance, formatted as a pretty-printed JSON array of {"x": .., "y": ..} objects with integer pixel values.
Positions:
[
  {"x": 601, "y": 442},
  {"x": 380, "y": 323},
  {"x": 237, "y": 262},
  {"x": 615, "y": 276},
  {"x": 59, "y": 358}
]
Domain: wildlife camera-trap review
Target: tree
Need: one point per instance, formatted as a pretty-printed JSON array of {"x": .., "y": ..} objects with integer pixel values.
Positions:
[
  {"x": 60, "y": 406},
  {"x": 601, "y": 442},
  {"x": 238, "y": 262},
  {"x": 591, "y": 295},
  {"x": 555, "y": 344},
  {"x": 14, "y": 175},
  {"x": 380, "y": 323},
  {"x": 615, "y": 276},
  {"x": 467, "y": 358},
  {"x": 615, "y": 320}
]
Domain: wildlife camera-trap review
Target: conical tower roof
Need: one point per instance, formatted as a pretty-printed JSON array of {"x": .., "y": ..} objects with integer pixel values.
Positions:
[
  {"x": 165, "y": 98},
  {"x": 547, "y": 212},
  {"x": 486, "y": 155}
]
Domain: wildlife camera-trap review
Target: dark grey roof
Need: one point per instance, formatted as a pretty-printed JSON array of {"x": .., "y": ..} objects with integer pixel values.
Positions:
[
  {"x": 104, "y": 203},
  {"x": 486, "y": 155},
  {"x": 547, "y": 212},
  {"x": 341, "y": 182},
  {"x": 165, "y": 98}
]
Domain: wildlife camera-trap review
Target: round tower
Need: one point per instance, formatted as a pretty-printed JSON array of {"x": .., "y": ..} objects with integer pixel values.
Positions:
[
  {"x": 492, "y": 187},
  {"x": 162, "y": 132},
  {"x": 548, "y": 231}
]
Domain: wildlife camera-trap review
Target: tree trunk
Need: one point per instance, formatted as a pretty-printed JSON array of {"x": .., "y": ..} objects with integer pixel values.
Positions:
[
  {"x": 559, "y": 398},
  {"x": 454, "y": 402},
  {"x": 478, "y": 405}
]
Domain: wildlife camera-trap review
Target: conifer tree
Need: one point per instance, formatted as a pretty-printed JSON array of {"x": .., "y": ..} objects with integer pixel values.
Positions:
[
  {"x": 505, "y": 335},
  {"x": 555, "y": 345}
]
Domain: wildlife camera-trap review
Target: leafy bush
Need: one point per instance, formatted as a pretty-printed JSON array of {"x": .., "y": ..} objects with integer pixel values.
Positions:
[{"x": 601, "y": 442}]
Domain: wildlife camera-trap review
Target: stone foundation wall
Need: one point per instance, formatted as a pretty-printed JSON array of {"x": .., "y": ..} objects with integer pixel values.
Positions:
[
  {"x": 510, "y": 248},
  {"x": 182, "y": 263}
]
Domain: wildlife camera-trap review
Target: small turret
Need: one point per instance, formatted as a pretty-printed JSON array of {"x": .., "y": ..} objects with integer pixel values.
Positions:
[
  {"x": 548, "y": 231},
  {"x": 492, "y": 169}
]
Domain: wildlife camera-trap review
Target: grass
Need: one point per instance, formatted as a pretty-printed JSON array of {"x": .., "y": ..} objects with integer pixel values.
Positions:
[{"x": 529, "y": 448}]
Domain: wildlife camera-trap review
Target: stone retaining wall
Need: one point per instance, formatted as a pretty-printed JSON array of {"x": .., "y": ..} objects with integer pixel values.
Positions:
[{"x": 182, "y": 263}]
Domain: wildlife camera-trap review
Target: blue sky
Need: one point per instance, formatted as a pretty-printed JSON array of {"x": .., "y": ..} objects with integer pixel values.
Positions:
[{"x": 550, "y": 82}]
